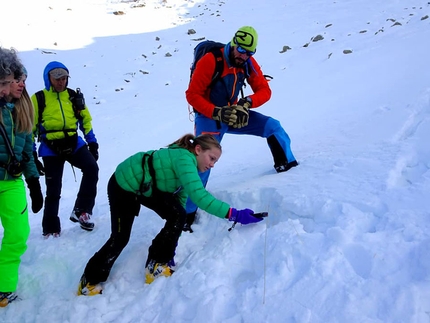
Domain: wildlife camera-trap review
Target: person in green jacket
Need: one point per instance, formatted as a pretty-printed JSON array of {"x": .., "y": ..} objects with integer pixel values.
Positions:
[
  {"x": 161, "y": 180},
  {"x": 16, "y": 159}
]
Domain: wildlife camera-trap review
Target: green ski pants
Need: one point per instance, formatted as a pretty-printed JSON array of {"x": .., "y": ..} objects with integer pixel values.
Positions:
[{"x": 14, "y": 219}]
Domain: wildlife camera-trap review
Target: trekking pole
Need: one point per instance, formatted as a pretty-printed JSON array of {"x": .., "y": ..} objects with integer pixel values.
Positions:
[
  {"x": 74, "y": 174},
  {"x": 264, "y": 259}
]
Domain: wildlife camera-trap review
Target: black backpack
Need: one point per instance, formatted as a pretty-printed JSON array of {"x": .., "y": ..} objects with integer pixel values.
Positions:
[
  {"x": 209, "y": 46},
  {"x": 76, "y": 97}
]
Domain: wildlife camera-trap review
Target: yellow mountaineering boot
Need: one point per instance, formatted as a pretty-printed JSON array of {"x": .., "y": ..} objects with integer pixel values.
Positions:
[
  {"x": 154, "y": 270},
  {"x": 7, "y": 298},
  {"x": 86, "y": 289}
]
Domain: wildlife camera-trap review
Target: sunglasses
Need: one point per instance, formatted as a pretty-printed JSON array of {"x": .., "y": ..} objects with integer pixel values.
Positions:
[{"x": 243, "y": 50}]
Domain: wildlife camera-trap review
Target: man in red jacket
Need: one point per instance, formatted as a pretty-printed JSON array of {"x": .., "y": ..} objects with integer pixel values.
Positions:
[{"x": 218, "y": 111}]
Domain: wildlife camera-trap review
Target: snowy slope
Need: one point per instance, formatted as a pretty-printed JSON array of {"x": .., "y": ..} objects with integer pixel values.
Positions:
[{"x": 347, "y": 237}]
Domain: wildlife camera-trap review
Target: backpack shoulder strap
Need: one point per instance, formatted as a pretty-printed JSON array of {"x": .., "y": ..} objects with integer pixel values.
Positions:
[
  {"x": 71, "y": 92},
  {"x": 145, "y": 186},
  {"x": 40, "y": 96},
  {"x": 72, "y": 95},
  {"x": 219, "y": 65}
]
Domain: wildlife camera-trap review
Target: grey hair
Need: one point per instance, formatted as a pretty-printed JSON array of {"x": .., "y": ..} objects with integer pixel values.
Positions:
[{"x": 9, "y": 63}]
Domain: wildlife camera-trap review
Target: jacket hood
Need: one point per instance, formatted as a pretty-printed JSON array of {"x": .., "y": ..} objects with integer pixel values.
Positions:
[{"x": 49, "y": 68}]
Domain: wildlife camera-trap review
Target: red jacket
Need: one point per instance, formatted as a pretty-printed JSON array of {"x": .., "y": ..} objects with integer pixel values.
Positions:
[{"x": 204, "y": 98}]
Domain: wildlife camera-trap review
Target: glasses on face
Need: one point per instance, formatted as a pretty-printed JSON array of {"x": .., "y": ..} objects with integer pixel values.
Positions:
[{"x": 242, "y": 50}]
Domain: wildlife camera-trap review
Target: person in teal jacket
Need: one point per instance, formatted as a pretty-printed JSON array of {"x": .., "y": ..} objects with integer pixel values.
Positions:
[
  {"x": 16, "y": 122},
  {"x": 161, "y": 180},
  {"x": 56, "y": 126}
]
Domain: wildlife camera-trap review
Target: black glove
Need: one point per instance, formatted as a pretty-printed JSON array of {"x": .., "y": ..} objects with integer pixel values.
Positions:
[
  {"x": 93, "y": 147},
  {"x": 35, "y": 194},
  {"x": 242, "y": 114},
  {"x": 226, "y": 114},
  {"x": 39, "y": 164}
]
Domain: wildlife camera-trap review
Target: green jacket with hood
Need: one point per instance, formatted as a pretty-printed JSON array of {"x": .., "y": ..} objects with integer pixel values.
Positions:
[
  {"x": 21, "y": 143},
  {"x": 175, "y": 171}
]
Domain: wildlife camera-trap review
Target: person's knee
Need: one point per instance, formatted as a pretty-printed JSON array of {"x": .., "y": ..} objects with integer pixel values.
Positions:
[
  {"x": 272, "y": 126},
  {"x": 119, "y": 242},
  {"x": 173, "y": 229},
  {"x": 91, "y": 169},
  {"x": 18, "y": 234}
]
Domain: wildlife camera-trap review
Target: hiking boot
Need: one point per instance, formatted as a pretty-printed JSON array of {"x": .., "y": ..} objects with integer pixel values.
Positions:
[
  {"x": 154, "y": 270},
  {"x": 86, "y": 289},
  {"x": 285, "y": 166},
  {"x": 6, "y": 298},
  {"x": 83, "y": 218},
  {"x": 55, "y": 235},
  {"x": 171, "y": 263},
  {"x": 187, "y": 228}
]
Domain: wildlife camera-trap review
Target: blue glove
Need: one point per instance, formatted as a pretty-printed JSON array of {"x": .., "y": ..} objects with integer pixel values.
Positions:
[{"x": 243, "y": 216}]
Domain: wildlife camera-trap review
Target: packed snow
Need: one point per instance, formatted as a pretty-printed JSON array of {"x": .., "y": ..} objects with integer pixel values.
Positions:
[{"x": 348, "y": 236}]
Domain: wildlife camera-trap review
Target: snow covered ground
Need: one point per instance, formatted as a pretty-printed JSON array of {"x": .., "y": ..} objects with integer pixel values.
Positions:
[{"x": 347, "y": 238}]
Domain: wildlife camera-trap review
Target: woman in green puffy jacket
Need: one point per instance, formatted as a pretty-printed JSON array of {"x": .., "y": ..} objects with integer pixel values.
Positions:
[
  {"x": 16, "y": 123},
  {"x": 161, "y": 180}
]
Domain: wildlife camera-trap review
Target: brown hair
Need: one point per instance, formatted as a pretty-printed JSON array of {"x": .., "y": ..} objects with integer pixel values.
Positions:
[
  {"x": 24, "y": 113},
  {"x": 189, "y": 142}
]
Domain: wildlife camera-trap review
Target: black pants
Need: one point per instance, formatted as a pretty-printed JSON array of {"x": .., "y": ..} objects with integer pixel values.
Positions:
[
  {"x": 54, "y": 167},
  {"x": 124, "y": 207}
]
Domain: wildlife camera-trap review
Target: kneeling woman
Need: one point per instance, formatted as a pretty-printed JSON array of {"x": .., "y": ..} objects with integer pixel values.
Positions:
[{"x": 161, "y": 180}]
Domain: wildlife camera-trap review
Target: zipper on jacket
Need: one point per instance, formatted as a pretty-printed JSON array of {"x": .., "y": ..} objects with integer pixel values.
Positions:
[{"x": 62, "y": 111}]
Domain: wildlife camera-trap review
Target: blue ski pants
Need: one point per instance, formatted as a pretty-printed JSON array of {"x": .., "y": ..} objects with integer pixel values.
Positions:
[{"x": 258, "y": 125}]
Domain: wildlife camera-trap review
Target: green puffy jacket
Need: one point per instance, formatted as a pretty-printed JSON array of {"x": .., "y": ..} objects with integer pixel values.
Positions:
[
  {"x": 175, "y": 170},
  {"x": 21, "y": 142}
]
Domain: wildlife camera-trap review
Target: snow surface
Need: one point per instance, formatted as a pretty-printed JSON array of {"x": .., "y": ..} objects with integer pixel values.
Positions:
[{"x": 348, "y": 235}]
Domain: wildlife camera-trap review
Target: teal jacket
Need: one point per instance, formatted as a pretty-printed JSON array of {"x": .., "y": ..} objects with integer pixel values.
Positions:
[
  {"x": 175, "y": 171},
  {"x": 21, "y": 143}
]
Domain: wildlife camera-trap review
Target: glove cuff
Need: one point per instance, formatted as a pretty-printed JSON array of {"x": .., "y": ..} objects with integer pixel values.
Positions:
[
  {"x": 227, "y": 216},
  {"x": 232, "y": 214},
  {"x": 247, "y": 105},
  {"x": 246, "y": 102},
  {"x": 216, "y": 114}
]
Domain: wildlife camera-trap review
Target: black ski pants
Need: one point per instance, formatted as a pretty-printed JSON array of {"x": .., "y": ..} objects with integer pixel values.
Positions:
[
  {"x": 54, "y": 167},
  {"x": 124, "y": 207}
]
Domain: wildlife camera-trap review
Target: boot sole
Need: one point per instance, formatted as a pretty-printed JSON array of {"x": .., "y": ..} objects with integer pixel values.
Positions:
[
  {"x": 82, "y": 226},
  {"x": 6, "y": 301},
  {"x": 86, "y": 228}
]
